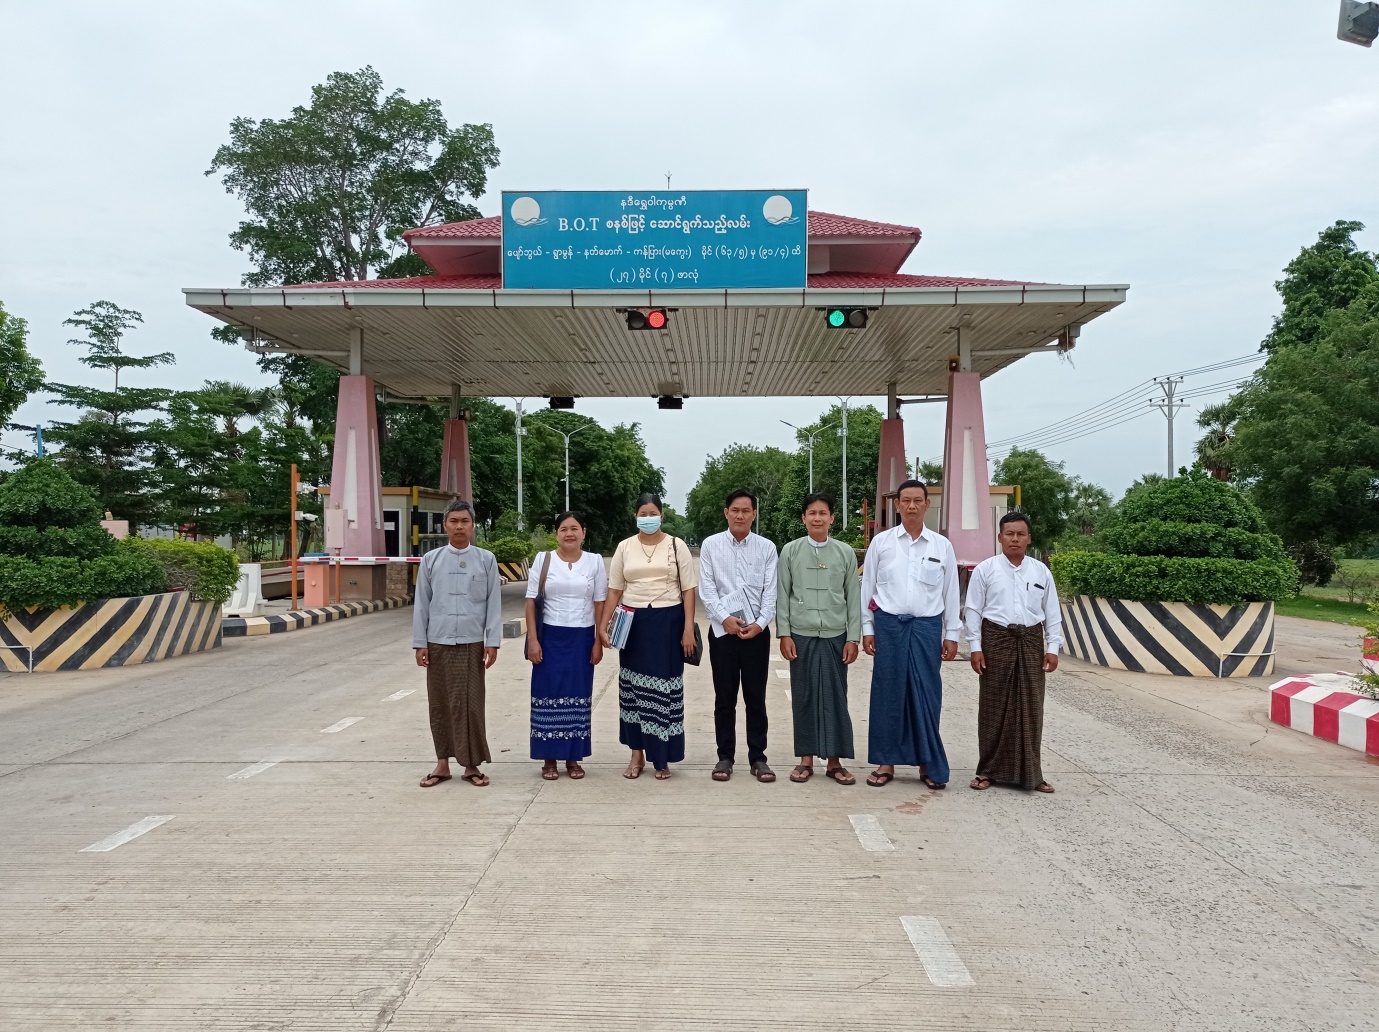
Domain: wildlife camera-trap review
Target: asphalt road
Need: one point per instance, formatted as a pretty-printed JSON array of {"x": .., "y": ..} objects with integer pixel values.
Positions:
[{"x": 1198, "y": 867}]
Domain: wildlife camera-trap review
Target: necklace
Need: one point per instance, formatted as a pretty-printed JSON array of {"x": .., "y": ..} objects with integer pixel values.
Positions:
[{"x": 649, "y": 555}]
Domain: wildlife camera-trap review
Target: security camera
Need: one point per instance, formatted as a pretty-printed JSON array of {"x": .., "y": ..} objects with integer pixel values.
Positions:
[
  {"x": 310, "y": 517},
  {"x": 1359, "y": 22}
]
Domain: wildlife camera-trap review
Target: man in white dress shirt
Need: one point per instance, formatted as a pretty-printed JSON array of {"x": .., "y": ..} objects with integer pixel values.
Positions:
[
  {"x": 737, "y": 582},
  {"x": 1014, "y": 629},
  {"x": 910, "y": 622}
]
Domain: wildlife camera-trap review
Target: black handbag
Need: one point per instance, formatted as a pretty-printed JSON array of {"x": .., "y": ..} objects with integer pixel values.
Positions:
[
  {"x": 698, "y": 654},
  {"x": 539, "y": 607}
]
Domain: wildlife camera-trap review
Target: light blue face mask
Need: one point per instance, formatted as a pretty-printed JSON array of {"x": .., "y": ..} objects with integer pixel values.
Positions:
[{"x": 648, "y": 524}]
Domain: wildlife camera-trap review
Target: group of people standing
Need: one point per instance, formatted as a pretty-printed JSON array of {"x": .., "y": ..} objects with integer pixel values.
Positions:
[{"x": 903, "y": 610}]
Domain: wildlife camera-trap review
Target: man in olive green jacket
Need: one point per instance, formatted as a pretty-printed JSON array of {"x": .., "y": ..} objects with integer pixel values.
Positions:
[{"x": 819, "y": 623}]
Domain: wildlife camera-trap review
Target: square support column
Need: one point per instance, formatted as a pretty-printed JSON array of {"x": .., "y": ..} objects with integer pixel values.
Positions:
[
  {"x": 354, "y": 521},
  {"x": 890, "y": 470},
  {"x": 455, "y": 474},
  {"x": 965, "y": 513}
]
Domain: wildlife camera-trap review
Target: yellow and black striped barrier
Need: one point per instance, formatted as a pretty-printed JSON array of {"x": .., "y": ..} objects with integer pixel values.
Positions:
[
  {"x": 514, "y": 571},
  {"x": 108, "y": 633}
]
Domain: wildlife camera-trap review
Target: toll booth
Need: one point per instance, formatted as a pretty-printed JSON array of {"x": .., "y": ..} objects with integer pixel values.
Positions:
[{"x": 413, "y": 524}]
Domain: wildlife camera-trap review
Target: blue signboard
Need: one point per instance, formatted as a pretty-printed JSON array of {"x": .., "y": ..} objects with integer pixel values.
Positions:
[{"x": 654, "y": 240}]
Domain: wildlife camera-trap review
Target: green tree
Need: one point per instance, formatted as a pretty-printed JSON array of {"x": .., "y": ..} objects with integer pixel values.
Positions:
[
  {"x": 763, "y": 471},
  {"x": 1323, "y": 278},
  {"x": 21, "y": 374},
  {"x": 410, "y": 449},
  {"x": 1046, "y": 492},
  {"x": 108, "y": 447},
  {"x": 931, "y": 472},
  {"x": 1213, "y": 447},
  {"x": 1090, "y": 507},
  {"x": 330, "y": 189}
]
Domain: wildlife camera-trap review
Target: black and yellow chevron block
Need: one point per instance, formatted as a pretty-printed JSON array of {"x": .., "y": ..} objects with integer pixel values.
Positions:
[
  {"x": 1171, "y": 637},
  {"x": 110, "y": 633}
]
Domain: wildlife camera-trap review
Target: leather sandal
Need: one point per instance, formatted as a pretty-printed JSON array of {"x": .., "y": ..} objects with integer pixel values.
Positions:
[
  {"x": 801, "y": 773},
  {"x": 841, "y": 775},
  {"x": 763, "y": 773},
  {"x": 722, "y": 770}
]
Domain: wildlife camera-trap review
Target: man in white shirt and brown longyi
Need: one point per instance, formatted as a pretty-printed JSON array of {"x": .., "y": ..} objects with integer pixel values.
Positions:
[
  {"x": 910, "y": 621},
  {"x": 1014, "y": 629}
]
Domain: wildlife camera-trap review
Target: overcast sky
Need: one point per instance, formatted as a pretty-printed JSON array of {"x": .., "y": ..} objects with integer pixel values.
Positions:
[{"x": 1188, "y": 149}]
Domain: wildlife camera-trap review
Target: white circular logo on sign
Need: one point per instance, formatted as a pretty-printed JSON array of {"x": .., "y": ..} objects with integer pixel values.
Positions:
[
  {"x": 526, "y": 212},
  {"x": 777, "y": 210}
]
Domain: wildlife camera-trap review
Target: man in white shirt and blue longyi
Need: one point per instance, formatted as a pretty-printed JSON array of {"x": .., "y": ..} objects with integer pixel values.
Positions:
[
  {"x": 1014, "y": 629},
  {"x": 737, "y": 582},
  {"x": 910, "y": 623}
]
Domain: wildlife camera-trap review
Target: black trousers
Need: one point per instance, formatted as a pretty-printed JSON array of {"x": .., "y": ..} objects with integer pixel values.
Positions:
[{"x": 748, "y": 663}]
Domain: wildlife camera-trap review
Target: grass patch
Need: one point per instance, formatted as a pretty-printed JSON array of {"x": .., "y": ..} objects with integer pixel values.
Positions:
[
  {"x": 1361, "y": 568},
  {"x": 1310, "y": 607}
]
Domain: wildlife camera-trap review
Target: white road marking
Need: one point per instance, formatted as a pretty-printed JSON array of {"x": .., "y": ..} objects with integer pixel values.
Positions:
[
  {"x": 249, "y": 771},
  {"x": 941, "y": 961},
  {"x": 870, "y": 833},
  {"x": 784, "y": 675},
  {"x": 400, "y": 695},
  {"x": 340, "y": 725},
  {"x": 787, "y": 694},
  {"x": 130, "y": 833}
]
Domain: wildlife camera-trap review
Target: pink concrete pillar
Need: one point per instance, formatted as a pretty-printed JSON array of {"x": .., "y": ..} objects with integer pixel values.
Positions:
[
  {"x": 455, "y": 476},
  {"x": 890, "y": 470},
  {"x": 354, "y": 521},
  {"x": 965, "y": 513}
]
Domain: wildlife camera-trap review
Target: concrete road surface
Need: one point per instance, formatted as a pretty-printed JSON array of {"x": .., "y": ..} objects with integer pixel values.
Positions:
[{"x": 237, "y": 841}]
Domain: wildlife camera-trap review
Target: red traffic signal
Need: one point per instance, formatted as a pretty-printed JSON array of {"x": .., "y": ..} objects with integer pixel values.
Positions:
[{"x": 647, "y": 318}]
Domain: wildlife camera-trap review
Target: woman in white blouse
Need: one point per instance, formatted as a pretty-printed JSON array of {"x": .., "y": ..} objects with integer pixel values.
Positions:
[{"x": 566, "y": 650}]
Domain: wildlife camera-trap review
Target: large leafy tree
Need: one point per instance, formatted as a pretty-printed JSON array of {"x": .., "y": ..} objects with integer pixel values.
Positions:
[
  {"x": 108, "y": 447},
  {"x": 20, "y": 372},
  {"x": 1304, "y": 431},
  {"x": 1046, "y": 492},
  {"x": 763, "y": 471},
  {"x": 331, "y": 188},
  {"x": 782, "y": 522},
  {"x": 1213, "y": 447}
]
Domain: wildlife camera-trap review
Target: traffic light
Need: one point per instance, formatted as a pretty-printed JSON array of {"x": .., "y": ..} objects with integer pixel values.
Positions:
[
  {"x": 846, "y": 318},
  {"x": 1359, "y": 22},
  {"x": 647, "y": 318}
]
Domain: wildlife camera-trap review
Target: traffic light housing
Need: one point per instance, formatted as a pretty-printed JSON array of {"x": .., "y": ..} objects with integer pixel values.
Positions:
[
  {"x": 647, "y": 318},
  {"x": 845, "y": 318}
]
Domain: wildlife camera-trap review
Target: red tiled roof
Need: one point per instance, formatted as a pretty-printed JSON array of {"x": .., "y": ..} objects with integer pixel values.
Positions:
[
  {"x": 825, "y": 281},
  {"x": 821, "y": 224}
]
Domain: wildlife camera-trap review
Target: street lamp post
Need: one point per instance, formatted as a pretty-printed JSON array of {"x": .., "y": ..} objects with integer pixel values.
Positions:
[
  {"x": 567, "y": 437},
  {"x": 810, "y": 438},
  {"x": 520, "y": 432},
  {"x": 843, "y": 433}
]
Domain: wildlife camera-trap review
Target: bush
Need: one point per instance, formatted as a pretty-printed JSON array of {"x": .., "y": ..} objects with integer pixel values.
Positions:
[
  {"x": 52, "y": 582},
  {"x": 1192, "y": 497},
  {"x": 1192, "y": 540},
  {"x": 1316, "y": 563},
  {"x": 1141, "y": 578},
  {"x": 207, "y": 571},
  {"x": 42, "y": 495},
  {"x": 73, "y": 543},
  {"x": 512, "y": 549}
]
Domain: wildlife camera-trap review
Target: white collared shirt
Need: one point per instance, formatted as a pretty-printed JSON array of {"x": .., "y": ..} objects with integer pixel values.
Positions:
[
  {"x": 571, "y": 591},
  {"x": 911, "y": 576},
  {"x": 1013, "y": 596},
  {"x": 738, "y": 578}
]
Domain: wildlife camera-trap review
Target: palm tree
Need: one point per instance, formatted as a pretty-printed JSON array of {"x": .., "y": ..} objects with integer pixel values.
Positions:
[{"x": 1213, "y": 449}]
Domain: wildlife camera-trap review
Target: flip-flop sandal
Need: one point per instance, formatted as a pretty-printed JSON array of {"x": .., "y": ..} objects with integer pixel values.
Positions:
[
  {"x": 722, "y": 770},
  {"x": 477, "y": 780},
  {"x": 550, "y": 774},
  {"x": 801, "y": 774},
  {"x": 1043, "y": 786},
  {"x": 663, "y": 775},
  {"x": 633, "y": 772},
  {"x": 763, "y": 773},
  {"x": 841, "y": 775},
  {"x": 981, "y": 783},
  {"x": 885, "y": 778},
  {"x": 574, "y": 770},
  {"x": 932, "y": 784},
  {"x": 432, "y": 780}
]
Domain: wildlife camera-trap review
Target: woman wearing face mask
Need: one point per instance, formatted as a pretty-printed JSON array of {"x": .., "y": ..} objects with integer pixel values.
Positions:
[
  {"x": 654, "y": 575},
  {"x": 574, "y": 584}
]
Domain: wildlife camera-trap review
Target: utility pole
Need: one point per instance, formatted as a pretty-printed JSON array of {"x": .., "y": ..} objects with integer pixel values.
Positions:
[
  {"x": 292, "y": 553},
  {"x": 520, "y": 433},
  {"x": 567, "y": 437},
  {"x": 1168, "y": 406},
  {"x": 810, "y": 438},
  {"x": 843, "y": 433}
]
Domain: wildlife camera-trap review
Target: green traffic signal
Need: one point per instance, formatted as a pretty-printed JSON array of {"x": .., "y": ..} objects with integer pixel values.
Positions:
[
  {"x": 846, "y": 318},
  {"x": 836, "y": 317}
]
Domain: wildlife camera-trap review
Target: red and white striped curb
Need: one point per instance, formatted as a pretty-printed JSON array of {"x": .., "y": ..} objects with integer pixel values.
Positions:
[
  {"x": 1322, "y": 705},
  {"x": 356, "y": 560}
]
